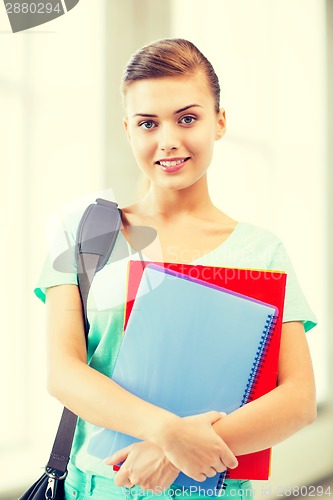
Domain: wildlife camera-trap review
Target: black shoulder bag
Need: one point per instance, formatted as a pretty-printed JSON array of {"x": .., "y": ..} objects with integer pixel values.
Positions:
[{"x": 96, "y": 236}]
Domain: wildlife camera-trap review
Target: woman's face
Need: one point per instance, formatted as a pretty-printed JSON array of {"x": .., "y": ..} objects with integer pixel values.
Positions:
[{"x": 172, "y": 126}]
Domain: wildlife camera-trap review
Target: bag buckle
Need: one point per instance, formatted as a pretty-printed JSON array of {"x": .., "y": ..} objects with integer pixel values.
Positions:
[{"x": 52, "y": 483}]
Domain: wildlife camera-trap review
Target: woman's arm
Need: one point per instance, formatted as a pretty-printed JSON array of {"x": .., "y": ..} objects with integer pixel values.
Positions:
[
  {"x": 80, "y": 388},
  {"x": 277, "y": 415},
  {"x": 259, "y": 424},
  {"x": 99, "y": 400}
]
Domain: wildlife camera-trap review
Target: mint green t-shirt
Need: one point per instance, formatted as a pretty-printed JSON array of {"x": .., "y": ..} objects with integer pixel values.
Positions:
[{"x": 248, "y": 246}]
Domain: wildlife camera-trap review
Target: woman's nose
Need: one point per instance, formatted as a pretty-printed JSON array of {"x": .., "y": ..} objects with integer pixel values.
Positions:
[{"x": 168, "y": 138}]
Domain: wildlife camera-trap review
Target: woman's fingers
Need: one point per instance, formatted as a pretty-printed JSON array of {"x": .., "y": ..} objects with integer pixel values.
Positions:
[
  {"x": 211, "y": 472},
  {"x": 129, "y": 483},
  {"x": 145, "y": 465},
  {"x": 118, "y": 457},
  {"x": 212, "y": 416},
  {"x": 228, "y": 459},
  {"x": 122, "y": 478}
]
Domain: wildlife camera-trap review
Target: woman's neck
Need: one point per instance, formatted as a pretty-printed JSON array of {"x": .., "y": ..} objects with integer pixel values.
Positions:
[{"x": 170, "y": 203}]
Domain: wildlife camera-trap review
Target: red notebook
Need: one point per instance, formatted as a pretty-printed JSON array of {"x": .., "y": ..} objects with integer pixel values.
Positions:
[{"x": 267, "y": 286}]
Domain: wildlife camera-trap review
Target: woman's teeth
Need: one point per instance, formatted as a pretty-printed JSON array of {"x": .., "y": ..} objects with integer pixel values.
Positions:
[{"x": 171, "y": 163}]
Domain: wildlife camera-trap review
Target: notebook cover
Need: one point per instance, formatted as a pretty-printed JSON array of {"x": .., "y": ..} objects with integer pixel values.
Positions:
[
  {"x": 122, "y": 378},
  {"x": 268, "y": 286}
]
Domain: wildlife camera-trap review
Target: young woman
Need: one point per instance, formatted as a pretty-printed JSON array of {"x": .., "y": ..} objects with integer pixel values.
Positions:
[{"x": 173, "y": 119}]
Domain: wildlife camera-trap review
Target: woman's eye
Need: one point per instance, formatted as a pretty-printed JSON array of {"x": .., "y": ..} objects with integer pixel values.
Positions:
[
  {"x": 147, "y": 124},
  {"x": 187, "y": 120}
]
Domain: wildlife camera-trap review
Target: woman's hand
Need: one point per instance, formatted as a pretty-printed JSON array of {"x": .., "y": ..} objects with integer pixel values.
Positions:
[
  {"x": 144, "y": 464},
  {"x": 192, "y": 446}
]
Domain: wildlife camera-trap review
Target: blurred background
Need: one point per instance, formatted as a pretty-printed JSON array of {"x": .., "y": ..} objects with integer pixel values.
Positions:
[{"x": 62, "y": 139}]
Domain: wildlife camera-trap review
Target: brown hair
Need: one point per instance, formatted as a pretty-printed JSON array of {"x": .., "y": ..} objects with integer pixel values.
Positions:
[{"x": 167, "y": 58}]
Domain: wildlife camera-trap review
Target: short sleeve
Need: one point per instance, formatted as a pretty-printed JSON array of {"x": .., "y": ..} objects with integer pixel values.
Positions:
[
  {"x": 296, "y": 306},
  {"x": 60, "y": 266}
]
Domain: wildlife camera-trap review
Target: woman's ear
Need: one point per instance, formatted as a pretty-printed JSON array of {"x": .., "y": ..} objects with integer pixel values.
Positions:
[
  {"x": 125, "y": 122},
  {"x": 220, "y": 124}
]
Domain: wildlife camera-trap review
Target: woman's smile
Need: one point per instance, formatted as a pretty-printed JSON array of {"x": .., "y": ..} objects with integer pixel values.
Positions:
[{"x": 172, "y": 165}]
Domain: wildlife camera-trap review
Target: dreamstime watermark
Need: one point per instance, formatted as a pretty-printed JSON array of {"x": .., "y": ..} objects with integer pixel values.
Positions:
[{"x": 23, "y": 15}]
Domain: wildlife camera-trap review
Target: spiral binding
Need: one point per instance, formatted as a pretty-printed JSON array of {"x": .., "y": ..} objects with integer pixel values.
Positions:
[
  {"x": 221, "y": 486},
  {"x": 259, "y": 357}
]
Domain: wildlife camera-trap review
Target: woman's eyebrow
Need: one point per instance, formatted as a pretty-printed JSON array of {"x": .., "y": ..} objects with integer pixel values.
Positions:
[
  {"x": 187, "y": 107},
  {"x": 145, "y": 115},
  {"x": 149, "y": 115}
]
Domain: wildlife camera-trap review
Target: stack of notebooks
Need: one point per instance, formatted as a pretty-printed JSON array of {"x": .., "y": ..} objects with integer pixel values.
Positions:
[{"x": 199, "y": 338}]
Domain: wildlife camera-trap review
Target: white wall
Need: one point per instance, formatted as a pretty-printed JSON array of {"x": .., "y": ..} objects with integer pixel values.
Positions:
[
  {"x": 52, "y": 150},
  {"x": 271, "y": 167}
]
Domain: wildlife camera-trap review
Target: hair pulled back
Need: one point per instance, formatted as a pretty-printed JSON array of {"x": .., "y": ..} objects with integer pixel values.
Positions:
[{"x": 170, "y": 57}]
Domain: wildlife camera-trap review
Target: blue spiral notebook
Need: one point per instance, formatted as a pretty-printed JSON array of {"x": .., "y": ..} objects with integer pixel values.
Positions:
[{"x": 189, "y": 347}]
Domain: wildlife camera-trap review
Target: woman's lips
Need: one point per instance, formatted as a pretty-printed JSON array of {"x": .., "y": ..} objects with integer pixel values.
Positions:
[{"x": 172, "y": 165}]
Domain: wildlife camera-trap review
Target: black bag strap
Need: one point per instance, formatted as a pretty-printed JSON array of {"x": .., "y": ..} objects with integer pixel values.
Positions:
[{"x": 96, "y": 235}]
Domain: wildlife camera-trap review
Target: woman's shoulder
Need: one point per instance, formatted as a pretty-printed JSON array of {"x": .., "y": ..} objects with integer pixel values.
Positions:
[
  {"x": 257, "y": 234},
  {"x": 256, "y": 245},
  {"x": 62, "y": 224},
  {"x": 67, "y": 216}
]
